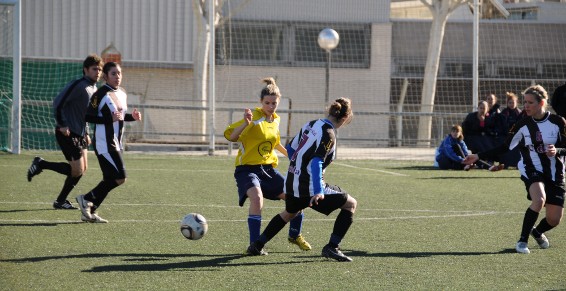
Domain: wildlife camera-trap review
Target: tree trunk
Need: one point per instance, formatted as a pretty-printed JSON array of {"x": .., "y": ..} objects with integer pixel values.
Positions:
[
  {"x": 429, "y": 82},
  {"x": 200, "y": 64},
  {"x": 440, "y": 10}
]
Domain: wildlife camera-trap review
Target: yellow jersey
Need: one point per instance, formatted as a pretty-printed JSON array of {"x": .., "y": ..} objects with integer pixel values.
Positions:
[{"x": 258, "y": 140}]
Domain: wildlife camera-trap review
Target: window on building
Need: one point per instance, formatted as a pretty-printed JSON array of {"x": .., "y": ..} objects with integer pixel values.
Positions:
[
  {"x": 291, "y": 44},
  {"x": 554, "y": 71},
  {"x": 523, "y": 14}
]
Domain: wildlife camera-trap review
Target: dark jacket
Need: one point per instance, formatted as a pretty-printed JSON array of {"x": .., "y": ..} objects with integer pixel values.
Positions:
[{"x": 69, "y": 107}]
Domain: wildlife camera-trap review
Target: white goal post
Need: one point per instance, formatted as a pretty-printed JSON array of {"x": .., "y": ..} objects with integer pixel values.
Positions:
[{"x": 15, "y": 128}]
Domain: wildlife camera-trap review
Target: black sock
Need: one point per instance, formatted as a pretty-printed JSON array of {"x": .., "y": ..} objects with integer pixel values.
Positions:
[
  {"x": 61, "y": 168},
  {"x": 528, "y": 222},
  {"x": 68, "y": 186},
  {"x": 99, "y": 193},
  {"x": 275, "y": 225},
  {"x": 543, "y": 227},
  {"x": 341, "y": 226}
]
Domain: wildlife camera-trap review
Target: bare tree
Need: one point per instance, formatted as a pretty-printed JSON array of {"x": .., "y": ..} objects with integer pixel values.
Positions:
[
  {"x": 202, "y": 47},
  {"x": 203, "y": 41},
  {"x": 440, "y": 10}
]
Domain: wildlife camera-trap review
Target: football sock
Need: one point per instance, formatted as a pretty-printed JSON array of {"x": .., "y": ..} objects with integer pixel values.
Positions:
[
  {"x": 334, "y": 241},
  {"x": 275, "y": 225},
  {"x": 528, "y": 222},
  {"x": 296, "y": 225},
  {"x": 254, "y": 226},
  {"x": 61, "y": 168},
  {"x": 68, "y": 186},
  {"x": 341, "y": 226},
  {"x": 99, "y": 193},
  {"x": 543, "y": 227}
]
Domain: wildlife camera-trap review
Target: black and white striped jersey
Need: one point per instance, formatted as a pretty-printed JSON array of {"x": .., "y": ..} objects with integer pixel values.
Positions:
[
  {"x": 532, "y": 137},
  {"x": 108, "y": 134},
  {"x": 316, "y": 138}
]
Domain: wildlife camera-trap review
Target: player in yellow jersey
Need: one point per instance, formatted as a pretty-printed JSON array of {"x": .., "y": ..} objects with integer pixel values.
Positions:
[{"x": 256, "y": 174}]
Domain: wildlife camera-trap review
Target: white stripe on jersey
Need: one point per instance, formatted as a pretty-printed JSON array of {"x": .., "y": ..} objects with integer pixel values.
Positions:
[
  {"x": 532, "y": 138},
  {"x": 115, "y": 132},
  {"x": 263, "y": 119},
  {"x": 108, "y": 157},
  {"x": 313, "y": 140}
]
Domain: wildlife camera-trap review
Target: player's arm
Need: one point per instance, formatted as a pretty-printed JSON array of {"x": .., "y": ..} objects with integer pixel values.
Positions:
[
  {"x": 317, "y": 182},
  {"x": 60, "y": 103},
  {"x": 92, "y": 110},
  {"x": 561, "y": 144},
  {"x": 282, "y": 150},
  {"x": 327, "y": 140},
  {"x": 235, "y": 130},
  {"x": 292, "y": 146},
  {"x": 290, "y": 151},
  {"x": 233, "y": 134},
  {"x": 134, "y": 116},
  {"x": 59, "y": 117}
]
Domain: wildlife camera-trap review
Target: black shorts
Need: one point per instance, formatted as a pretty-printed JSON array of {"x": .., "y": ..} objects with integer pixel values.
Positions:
[
  {"x": 112, "y": 166},
  {"x": 554, "y": 191},
  {"x": 334, "y": 198},
  {"x": 72, "y": 146}
]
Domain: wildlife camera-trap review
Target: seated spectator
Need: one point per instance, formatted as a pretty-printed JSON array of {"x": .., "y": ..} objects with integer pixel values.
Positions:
[
  {"x": 495, "y": 121},
  {"x": 476, "y": 129},
  {"x": 452, "y": 150},
  {"x": 496, "y": 127},
  {"x": 511, "y": 115},
  {"x": 511, "y": 112},
  {"x": 492, "y": 106},
  {"x": 558, "y": 101}
]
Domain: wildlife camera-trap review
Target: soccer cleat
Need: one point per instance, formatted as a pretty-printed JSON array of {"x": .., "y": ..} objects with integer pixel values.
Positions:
[
  {"x": 34, "y": 169},
  {"x": 83, "y": 218},
  {"x": 63, "y": 205},
  {"x": 253, "y": 250},
  {"x": 95, "y": 219},
  {"x": 542, "y": 241},
  {"x": 301, "y": 242},
  {"x": 522, "y": 247},
  {"x": 334, "y": 253},
  {"x": 85, "y": 206}
]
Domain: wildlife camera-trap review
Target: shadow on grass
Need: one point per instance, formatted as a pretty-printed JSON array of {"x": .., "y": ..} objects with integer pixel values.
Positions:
[
  {"x": 411, "y": 255},
  {"x": 415, "y": 168},
  {"x": 42, "y": 223},
  {"x": 24, "y": 210},
  {"x": 215, "y": 261},
  {"x": 431, "y": 168},
  {"x": 468, "y": 178}
]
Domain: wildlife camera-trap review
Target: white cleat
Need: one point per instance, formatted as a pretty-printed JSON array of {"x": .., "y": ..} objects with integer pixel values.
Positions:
[
  {"x": 522, "y": 247},
  {"x": 85, "y": 206},
  {"x": 542, "y": 241},
  {"x": 95, "y": 219}
]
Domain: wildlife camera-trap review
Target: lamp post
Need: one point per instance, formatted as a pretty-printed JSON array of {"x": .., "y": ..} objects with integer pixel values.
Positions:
[{"x": 328, "y": 39}]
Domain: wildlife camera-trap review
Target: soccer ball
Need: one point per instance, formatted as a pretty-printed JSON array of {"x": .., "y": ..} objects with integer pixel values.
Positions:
[{"x": 193, "y": 226}]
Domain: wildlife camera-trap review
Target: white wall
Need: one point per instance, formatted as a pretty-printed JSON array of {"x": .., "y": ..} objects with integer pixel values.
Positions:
[{"x": 142, "y": 30}]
